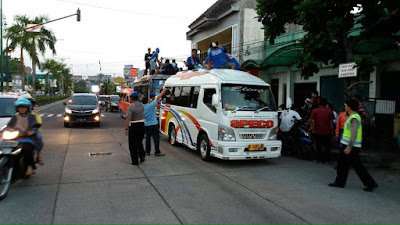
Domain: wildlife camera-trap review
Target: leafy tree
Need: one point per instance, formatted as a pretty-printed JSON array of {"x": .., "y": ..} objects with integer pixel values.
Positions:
[
  {"x": 59, "y": 71},
  {"x": 32, "y": 43},
  {"x": 80, "y": 87},
  {"x": 40, "y": 41},
  {"x": 332, "y": 27}
]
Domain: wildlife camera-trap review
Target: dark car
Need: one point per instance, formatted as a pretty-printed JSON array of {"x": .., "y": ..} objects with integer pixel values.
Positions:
[
  {"x": 112, "y": 103},
  {"x": 82, "y": 109}
]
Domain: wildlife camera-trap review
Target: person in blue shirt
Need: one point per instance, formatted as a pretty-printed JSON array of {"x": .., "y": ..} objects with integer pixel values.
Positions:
[
  {"x": 153, "y": 62},
  {"x": 151, "y": 124},
  {"x": 216, "y": 57},
  {"x": 193, "y": 60},
  {"x": 232, "y": 62},
  {"x": 175, "y": 65}
]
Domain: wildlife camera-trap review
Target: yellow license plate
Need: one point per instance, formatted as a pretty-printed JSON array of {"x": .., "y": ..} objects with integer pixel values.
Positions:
[{"x": 256, "y": 147}]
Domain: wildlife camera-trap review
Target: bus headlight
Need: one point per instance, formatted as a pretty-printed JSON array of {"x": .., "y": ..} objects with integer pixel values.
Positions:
[
  {"x": 273, "y": 135},
  {"x": 226, "y": 134}
]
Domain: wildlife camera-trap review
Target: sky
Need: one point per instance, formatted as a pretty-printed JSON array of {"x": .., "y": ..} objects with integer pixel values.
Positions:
[{"x": 114, "y": 32}]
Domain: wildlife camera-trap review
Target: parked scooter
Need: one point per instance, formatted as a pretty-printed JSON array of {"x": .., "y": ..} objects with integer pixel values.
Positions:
[
  {"x": 12, "y": 166},
  {"x": 302, "y": 144}
]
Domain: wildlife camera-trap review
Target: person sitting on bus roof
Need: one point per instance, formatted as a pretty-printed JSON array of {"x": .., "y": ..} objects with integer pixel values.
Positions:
[
  {"x": 167, "y": 68},
  {"x": 216, "y": 56},
  {"x": 193, "y": 60},
  {"x": 175, "y": 65},
  {"x": 232, "y": 62},
  {"x": 153, "y": 62}
]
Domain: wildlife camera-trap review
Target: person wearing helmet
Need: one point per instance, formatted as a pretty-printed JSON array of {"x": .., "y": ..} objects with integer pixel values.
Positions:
[
  {"x": 23, "y": 121},
  {"x": 153, "y": 62},
  {"x": 35, "y": 112}
]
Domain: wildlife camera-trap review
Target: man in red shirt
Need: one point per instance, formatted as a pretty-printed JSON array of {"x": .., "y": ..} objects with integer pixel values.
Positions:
[{"x": 322, "y": 127}]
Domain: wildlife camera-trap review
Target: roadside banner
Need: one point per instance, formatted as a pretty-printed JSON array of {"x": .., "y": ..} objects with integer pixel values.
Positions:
[
  {"x": 133, "y": 72},
  {"x": 347, "y": 70}
]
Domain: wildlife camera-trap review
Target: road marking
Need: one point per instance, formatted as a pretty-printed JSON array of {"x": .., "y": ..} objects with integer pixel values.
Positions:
[
  {"x": 102, "y": 115},
  {"x": 59, "y": 115},
  {"x": 41, "y": 115},
  {"x": 50, "y": 115}
]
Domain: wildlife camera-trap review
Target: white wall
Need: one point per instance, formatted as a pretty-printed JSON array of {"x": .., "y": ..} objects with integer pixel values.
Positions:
[{"x": 253, "y": 36}]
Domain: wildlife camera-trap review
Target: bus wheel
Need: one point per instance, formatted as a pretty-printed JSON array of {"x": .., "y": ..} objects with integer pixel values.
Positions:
[
  {"x": 172, "y": 135},
  {"x": 204, "y": 148}
]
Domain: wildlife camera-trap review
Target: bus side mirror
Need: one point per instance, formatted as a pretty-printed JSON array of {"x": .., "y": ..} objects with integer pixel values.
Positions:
[{"x": 215, "y": 101}]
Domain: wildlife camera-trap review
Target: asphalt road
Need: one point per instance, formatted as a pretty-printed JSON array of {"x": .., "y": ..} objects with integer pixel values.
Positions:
[{"x": 180, "y": 188}]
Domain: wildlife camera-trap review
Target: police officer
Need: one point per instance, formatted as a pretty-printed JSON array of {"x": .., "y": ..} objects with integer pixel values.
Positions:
[
  {"x": 134, "y": 128},
  {"x": 349, "y": 156}
]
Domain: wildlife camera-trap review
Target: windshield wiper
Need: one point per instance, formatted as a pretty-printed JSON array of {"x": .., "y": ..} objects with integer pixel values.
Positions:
[
  {"x": 240, "y": 108},
  {"x": 259, "y": 110}
]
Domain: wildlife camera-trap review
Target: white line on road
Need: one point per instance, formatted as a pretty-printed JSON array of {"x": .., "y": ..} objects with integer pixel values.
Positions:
[
  {"x": 59, "y": 115},
  {"x": 41, "y": 115},
  {"x": 102, "y": 115},
  {"x": 50, "y": 115}
]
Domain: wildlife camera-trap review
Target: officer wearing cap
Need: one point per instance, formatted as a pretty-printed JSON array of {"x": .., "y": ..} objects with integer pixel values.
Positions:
[{"x": 134, "y": 128}]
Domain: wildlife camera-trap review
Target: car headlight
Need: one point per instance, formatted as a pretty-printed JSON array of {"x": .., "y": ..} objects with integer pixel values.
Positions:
[
  {"x": 10, "y": 135},
  {"x": 226, "y": 134},
  {"x": 273, "y": 135},
  {"x": 95, "y": 111},
  {"x": 68, "y": 111}
]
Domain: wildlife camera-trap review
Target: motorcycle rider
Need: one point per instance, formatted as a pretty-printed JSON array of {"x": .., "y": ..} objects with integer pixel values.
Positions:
[
  {"x": 35, "y": 112},
  {"x": 286, "y": 122},
  {"x": 23, "y": 121}
]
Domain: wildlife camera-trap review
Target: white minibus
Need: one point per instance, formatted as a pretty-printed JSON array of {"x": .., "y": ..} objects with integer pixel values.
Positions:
[{"x": 227, "y": 114}]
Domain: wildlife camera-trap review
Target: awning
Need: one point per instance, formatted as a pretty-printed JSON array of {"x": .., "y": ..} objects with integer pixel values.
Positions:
[
  {"x": 252, "y": 64},
  {"x": 284, "y": 56}
]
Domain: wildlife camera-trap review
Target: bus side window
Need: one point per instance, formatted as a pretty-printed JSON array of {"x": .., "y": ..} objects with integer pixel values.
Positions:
[
  {"x": 185, "y": 97},
  {"x": 207, "y": 99},
  {"x": 194, "y": 97},
  {"x": 176, "y": 95},
  {"x": 170, "y": 96}
]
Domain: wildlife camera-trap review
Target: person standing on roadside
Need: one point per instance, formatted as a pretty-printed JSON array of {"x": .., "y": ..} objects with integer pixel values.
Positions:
[
  {"x": 339, "y": 127},
  {"x": 134, "y": 129},
  {"x": 322, "y": 128},
  {"x": 147, "y": 57},
  {"x": 151, "y": 124},
  {"x": 349, "y": 156}
]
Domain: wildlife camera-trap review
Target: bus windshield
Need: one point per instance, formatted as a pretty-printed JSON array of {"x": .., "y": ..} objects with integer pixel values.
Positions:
[{"x": 238, "y": 97}]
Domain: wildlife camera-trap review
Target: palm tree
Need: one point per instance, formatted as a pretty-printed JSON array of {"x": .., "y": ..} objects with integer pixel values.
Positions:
[
  {"x": 39, "y": 41},
  {"x": 19, "y": 39},
  {"x": 33, "y": 43}
]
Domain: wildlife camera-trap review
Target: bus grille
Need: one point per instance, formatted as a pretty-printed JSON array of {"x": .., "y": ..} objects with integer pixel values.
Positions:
[{"x": 252, "y": 136}]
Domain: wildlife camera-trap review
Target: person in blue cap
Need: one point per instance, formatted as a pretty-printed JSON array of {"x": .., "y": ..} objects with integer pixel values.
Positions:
[
  {"x": 153, "y": 62},
  {"x": 151, "y": 123},
  {"x": 134, "y": 129}
]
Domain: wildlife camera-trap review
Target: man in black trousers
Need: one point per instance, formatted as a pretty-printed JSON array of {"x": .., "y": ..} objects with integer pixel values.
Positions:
[
  {"x": 134, "y": 128},
  {"x": 147, "y": 57},
  {"x": 350, "y": 154}
]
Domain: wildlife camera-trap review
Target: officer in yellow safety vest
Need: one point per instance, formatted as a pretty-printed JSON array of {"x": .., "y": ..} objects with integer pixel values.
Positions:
[{"x": 350, "y": 153}]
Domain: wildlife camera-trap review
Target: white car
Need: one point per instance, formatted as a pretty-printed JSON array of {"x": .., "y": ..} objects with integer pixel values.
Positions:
[{"x": 7, "y": 109}]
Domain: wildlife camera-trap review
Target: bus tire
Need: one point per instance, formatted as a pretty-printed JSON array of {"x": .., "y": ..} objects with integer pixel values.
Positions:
[
  {"x": 172, "y": 135},
  {"x": 204, "y": 148}
]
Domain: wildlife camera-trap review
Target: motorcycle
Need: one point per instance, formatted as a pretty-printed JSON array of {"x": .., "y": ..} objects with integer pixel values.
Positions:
[
  {"x": 302, "y": 143},
  {"x": 12, "y": 166},
  {"x": 297, "y": 141}
]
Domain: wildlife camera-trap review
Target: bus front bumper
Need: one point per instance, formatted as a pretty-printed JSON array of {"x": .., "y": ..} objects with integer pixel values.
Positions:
[{"x": 240, "y": 150}]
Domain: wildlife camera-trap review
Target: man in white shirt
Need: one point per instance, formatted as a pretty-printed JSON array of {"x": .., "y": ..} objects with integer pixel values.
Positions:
[{"x": 287, "y": 120}]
